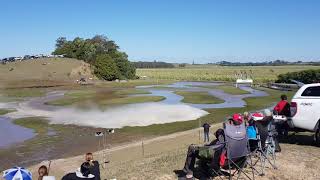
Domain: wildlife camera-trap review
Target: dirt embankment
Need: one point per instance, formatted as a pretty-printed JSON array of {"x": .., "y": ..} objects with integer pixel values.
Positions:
[{"x": 43, "y": 72}]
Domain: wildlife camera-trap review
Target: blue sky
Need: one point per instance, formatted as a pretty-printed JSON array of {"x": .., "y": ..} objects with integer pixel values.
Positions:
[{"x": 169, "y": 30}]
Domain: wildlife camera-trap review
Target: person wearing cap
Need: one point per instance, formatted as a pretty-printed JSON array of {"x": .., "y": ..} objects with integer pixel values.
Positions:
[{"x": 236, "y": 119}]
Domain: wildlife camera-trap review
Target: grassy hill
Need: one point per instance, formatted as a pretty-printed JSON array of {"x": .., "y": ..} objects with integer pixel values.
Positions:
[{"x": 44, "y": 70}]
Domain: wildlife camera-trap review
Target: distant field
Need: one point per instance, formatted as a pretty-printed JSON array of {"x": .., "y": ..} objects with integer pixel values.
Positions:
[{"x": 220, "y": 73}]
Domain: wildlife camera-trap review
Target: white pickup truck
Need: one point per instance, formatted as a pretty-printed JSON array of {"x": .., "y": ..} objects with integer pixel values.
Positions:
[{"x": 305, "y": 109}]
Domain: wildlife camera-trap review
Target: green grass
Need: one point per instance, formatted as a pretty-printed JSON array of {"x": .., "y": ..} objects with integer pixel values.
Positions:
[
  {"x": 130, "y": 91},
  {"x": 131, "y": 100},
  {"x": 73, "y": 97},
  {"x": 22, "y": 93},
  {"x": 35, "y": 123},
  {"x": 6, "y": 111},
  {"x": 198, "y": 97},
  {"x": 101, "y": 98},
  {"x": 41, "y": 127},
  {"x": 134, "y": 83},
  {"x": 219, "y": 73},
  {"x": 231, "y": 90},
  {"x": 80, "y": 93}
]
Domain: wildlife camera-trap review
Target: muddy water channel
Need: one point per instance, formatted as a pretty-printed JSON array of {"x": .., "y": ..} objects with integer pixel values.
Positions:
[{"x": 169, "y": 110}]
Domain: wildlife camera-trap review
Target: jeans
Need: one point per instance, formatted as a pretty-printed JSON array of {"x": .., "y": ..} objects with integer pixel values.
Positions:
[{"x": 206, "y": 136}]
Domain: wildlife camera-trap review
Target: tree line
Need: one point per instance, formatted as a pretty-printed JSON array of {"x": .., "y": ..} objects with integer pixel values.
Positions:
[
  {"x": 154, "y": 64},
  {"x": 305, "y": 76},
  {"x": 103, "y": 54}
]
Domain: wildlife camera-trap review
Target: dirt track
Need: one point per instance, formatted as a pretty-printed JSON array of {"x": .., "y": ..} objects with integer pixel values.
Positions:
[{"x": 163, "y": 155}]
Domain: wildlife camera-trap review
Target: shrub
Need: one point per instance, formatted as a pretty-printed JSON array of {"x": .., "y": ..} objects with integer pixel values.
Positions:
[{"x": 306, "y": 76}]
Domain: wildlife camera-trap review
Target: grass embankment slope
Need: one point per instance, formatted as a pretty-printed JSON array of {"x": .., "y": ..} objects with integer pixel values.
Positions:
[
  {"x": 220, "y": 73},
  {"x": 43, "y": 72}
]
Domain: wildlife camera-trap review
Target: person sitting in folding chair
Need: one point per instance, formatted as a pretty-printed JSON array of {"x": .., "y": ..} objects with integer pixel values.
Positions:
[
  {"x": 258, "y": 134},
  {"x": 236, "y": 154},
  {"x": 207, "y": 154}
]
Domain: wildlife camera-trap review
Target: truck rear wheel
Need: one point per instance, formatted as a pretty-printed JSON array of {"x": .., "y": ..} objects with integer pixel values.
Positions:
[{"x": 317, "y": 136}]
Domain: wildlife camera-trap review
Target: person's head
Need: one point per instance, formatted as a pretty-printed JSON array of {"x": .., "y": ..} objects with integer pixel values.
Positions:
[
  {"x": 246, "y": 116},
  {"x": 218, "y": 133},
  {"x": 267, "y": 112},
  {"x": 89, "y": 157},
  {"x": 283, "y": 97},
  {"x": 236, "y": 119},
  {"x": 43, "y": 171},
  {"x": 85, "y": 169}
]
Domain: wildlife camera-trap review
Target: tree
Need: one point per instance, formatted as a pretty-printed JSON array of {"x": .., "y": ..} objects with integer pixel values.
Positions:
[
  {"x": 60, "y": 42},
  {"x": 127, "y": 70},
  {"x": 89, "y": 50},
  {"x": 105, "y": 68}
]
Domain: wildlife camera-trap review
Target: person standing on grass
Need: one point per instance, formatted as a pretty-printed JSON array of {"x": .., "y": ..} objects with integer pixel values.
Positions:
[
  {"x": 206, "y": 130},
  {"x": 283, "y": 108}
]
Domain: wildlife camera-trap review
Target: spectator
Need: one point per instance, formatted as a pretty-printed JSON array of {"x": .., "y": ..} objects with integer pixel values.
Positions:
[
  {"x": 42, "y": 171},
  {"x": 94, "y": 165},
  {"x": 82, "y": 173},
  {"x": 206, "y": 130},
  {"x": 283, "y": 108}
]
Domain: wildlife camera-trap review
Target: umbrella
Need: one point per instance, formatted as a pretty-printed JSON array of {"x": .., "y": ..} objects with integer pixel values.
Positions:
[{"x": 17, "y": 173}]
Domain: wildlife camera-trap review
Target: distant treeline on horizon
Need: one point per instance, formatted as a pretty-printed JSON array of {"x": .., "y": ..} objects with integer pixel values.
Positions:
[{"x": 154, "y": 64}]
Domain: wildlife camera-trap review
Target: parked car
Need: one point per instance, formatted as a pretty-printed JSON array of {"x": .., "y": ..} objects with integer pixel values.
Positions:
[{"x": 305, "y": 109}]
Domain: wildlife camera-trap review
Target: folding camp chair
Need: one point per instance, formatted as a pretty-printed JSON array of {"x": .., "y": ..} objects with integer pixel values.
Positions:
[
  {"x": 237, "y": 152},
  {"x": 260, "y": 154},
  {"x": 270, "y": 145}
]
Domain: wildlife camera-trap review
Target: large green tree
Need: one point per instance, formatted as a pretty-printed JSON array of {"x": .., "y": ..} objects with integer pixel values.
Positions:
[
  {"x": 90, "y": 49},
  {"x": 105, "y": 68}
]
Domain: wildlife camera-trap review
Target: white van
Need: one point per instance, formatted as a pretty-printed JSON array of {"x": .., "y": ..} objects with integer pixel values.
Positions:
[{"x": 305, "y": 109}]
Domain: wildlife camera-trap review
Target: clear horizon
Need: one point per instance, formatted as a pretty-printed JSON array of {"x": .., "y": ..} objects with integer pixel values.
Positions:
[{"x": 172, "y": 31}]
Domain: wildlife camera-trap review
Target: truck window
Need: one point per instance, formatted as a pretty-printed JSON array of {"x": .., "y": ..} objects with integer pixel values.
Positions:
[{"x": 311, "y": 91}]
